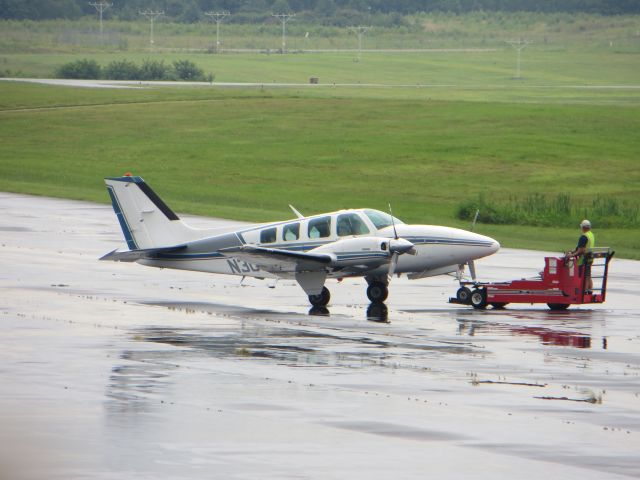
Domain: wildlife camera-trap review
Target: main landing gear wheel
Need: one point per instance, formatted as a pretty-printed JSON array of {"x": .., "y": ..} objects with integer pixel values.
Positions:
[
  {"x": 463, "y": 295},
  {"x": 479, "y": 299},
  {"x": 377, "y": 292},
  {"x": 322, "y": 299},
  {"x": 558, "y": 306}
]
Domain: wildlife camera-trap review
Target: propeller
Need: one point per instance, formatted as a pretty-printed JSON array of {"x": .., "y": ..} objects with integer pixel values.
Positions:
[{"x": 397, "y": 247}]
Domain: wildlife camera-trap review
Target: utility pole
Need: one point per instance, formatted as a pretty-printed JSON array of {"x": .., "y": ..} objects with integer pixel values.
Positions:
[
  {"x": 284, "y": 18},
  {"x": 101, "y": 7},
  {"x": 217, "y": 17},
  {"x": 152, "y": 16},
  {"x": 519, "y": 45},
  {"x": 360, "y": 30}
]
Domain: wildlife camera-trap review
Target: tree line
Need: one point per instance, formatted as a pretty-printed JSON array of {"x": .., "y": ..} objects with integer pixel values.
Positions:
[{"x": 332, "y": 12}]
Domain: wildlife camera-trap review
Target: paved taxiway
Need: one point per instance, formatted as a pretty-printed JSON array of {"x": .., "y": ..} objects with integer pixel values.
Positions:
[{"x": 118, "y": 371}]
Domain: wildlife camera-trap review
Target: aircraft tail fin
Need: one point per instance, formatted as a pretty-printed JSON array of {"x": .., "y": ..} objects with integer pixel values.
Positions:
[{"x": 146, "y": 221}]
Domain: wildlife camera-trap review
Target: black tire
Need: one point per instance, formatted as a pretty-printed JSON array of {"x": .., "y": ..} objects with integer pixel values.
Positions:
[
  {"x": 558, "y": 306},
  {"x": 463, "y": 295},
  {"x": 479, "y": 299},
  {"x": 377, "y": 292},
  {"x": 499, "y": 305},
  {"x": 322, "y": 299}
]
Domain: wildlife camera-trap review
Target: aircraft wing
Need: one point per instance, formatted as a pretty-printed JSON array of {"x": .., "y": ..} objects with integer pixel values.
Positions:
[
  {"x": 135, "y": 255},
  {"x": 275, "y": 260}
]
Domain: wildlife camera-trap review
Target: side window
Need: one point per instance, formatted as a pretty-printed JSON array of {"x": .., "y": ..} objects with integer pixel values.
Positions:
[
  {"x": 351, "y": 224},
  {"x": 319, "y": 227},
  {"x": 291, "y": 232},
  {"x": 268, "y": 235}
]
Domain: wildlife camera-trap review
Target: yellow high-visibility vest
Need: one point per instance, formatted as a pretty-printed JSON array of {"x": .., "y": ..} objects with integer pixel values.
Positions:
[
  {"x": 591, "y": 243},
  {"x": 591, "y": 240}
]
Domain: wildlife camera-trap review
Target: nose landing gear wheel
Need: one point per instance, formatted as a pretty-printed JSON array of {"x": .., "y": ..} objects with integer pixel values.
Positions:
[
  {"x": 377, "y": 292},
  {"x": 322, "y": 299},
  {"x": 479, "y": 299}
]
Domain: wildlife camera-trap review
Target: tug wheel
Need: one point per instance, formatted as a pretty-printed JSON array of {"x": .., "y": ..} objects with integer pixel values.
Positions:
[
  {"x": 463, "y": 295},
  {"x": 558, "y": 306},
  {"x": 322, "y": 299},
  {"x": 479, "y": 299}
]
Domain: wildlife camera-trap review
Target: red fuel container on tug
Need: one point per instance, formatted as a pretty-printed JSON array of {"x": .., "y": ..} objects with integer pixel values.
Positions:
[{"x": 562, "y": 283}]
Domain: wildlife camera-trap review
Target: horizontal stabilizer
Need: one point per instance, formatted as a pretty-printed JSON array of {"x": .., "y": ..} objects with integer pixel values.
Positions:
[{"x": 135, "y": 255}]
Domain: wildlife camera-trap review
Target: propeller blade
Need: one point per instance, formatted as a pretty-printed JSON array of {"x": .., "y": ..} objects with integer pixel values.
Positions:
[
  {"x": 472, "y": 269},
  {"x": 395, "y": 233},
  {"x": 392, "y": 265}
]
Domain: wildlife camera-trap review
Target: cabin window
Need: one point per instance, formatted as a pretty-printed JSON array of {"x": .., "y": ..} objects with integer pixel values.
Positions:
[
  {"x": 319, "y": 227},
  {"x": 268, "y": 235},
  {"x": 351, "y": 224},
  {"x": 291, "y": 232}
]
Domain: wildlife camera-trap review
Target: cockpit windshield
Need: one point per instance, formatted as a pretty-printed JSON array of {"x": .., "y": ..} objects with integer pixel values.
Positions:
[{"x": 380, "y": 219}]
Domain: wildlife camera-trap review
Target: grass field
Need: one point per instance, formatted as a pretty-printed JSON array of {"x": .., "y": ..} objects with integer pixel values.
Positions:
[
  {"x": 247, "y": 154},
  {"x": 460, "y": 125}
]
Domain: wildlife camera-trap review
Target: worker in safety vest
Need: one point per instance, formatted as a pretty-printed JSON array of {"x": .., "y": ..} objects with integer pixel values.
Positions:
[{"x": 586, "y": 242}]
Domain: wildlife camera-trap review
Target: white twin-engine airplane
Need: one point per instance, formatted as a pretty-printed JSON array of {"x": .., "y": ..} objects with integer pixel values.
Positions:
[{"x": 348, "y": 243}]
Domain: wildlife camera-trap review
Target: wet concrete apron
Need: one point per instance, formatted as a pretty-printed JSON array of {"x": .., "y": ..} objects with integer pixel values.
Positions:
[{"x": 121, "y": 371}]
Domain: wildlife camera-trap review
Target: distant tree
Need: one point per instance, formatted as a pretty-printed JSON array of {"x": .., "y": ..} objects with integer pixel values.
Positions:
[
  {"x": 281, "y": 6},
  {"x": 187, "y": 70},
  {"x": 329, "y": 10},
  {"x": 83, "y": 69},
  {"x": 153, "y": 70},
  {"x": 121, "y": 70}
]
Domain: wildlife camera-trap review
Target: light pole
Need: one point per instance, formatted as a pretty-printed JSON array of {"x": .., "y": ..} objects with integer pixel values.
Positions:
[
  {"x": 101, "y": 7},
  {"x": 152, "y": 16},
  {"x": 217, "y": 17},
  {"x": 519, "y": 45},
  {"x": 284, "y": 18},
  {"x": 360, "y": 30}
]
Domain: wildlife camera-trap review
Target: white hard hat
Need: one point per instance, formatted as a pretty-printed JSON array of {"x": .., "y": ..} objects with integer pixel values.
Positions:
[{"x": 585, "y": 224}]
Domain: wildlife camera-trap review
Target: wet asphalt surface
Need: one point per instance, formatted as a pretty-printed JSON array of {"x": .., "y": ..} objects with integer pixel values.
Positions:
[{"x": 120, "y": 371}]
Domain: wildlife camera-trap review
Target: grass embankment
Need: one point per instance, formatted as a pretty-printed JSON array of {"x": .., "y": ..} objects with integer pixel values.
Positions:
[{"x": 247, "y": 154}]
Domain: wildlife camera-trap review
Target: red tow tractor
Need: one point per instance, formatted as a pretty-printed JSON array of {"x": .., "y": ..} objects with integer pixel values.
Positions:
[{"x": 562, "y": 283}]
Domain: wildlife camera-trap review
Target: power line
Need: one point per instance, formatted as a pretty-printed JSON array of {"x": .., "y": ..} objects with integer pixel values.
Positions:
[
  {"x": 519, "y": 45},
  {"x": 284, "y": 18},
  {"x": 217, "y": 17},
  {"x": 100, "y": 7},
  {"x": 152, "y": 16},
  {"x": 360, "y": 31}
]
